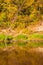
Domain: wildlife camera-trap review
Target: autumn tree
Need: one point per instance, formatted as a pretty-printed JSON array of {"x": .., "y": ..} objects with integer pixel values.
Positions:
[{"x": 20, "y": 12}]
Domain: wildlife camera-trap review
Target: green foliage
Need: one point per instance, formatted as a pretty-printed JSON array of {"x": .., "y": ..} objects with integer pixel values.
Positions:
[
  {"x": 21, "y": 36},
  {"x": 36, "y": 36},
  {"x": 7, "y": 37},
  {"x": 2, "y": 37}
]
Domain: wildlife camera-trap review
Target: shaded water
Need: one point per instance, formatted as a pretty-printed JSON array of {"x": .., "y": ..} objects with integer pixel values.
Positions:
[
  {"x": 20, "y": 56},
  {"x": 21, "y": 53}
]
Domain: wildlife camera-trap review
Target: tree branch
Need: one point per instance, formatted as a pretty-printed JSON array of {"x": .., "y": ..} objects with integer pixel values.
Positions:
[{"x": 14, "y": 18}]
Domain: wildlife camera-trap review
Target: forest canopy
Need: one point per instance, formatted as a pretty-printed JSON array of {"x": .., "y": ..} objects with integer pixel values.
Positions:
[{"x": 18, "y": 12}]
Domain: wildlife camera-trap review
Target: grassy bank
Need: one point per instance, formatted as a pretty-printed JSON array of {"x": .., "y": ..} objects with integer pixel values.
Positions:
[{"x": 33, "y": 40}]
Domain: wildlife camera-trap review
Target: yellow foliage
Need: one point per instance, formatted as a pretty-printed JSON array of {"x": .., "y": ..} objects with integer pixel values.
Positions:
[
  {"x": 33, "y": 14},
  {"x": 12, "y": 8},
  {"x": 29, "y": 3},
  {"x": 10, "y": 16},
  {"x": 7, "y": 1},
  {"x": 2, "y": 16}
]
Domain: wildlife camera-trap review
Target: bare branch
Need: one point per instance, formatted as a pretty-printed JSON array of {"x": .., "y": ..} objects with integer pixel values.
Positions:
[{"x": 16, "y": 14}]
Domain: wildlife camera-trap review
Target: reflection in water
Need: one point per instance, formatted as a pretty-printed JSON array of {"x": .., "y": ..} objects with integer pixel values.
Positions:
[{"x": 31, "y": 43}]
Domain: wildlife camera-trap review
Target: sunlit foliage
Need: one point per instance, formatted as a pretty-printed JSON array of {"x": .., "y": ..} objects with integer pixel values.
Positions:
[{"x": 21, "y": 11}]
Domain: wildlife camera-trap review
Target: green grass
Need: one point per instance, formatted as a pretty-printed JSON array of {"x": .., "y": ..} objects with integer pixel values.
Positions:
[
  {"x": 21, "y": 43},
  {"x": 36, "y": 36},
  {"x": 7, "y": 37},
  {"x": 2, "y": 36},
  {"x": 21, "y": 36}
]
